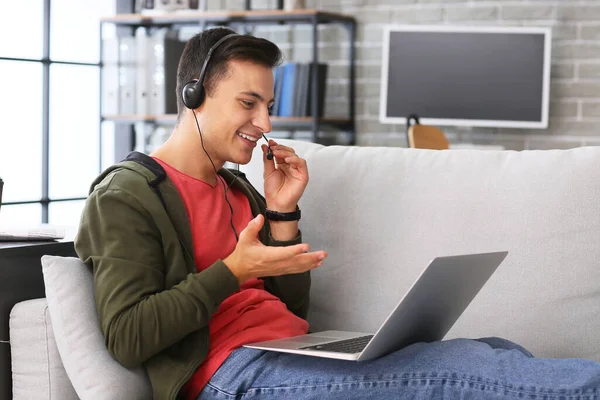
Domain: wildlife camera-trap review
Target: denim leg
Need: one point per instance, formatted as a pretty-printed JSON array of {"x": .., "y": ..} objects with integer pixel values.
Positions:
[
  {"x": 500, "y": 343},
  {"x": 489, "y": 368}
]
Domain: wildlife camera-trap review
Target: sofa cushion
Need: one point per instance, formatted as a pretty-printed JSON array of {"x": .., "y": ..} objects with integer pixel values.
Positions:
[
  {"x": 95, "y": 374},
  {"x": 37, "y": 370},
  {"x": 383, "y": 213}
]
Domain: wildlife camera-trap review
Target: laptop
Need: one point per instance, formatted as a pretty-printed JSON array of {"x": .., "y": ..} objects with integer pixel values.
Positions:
[{"x": 426, "y": 313}]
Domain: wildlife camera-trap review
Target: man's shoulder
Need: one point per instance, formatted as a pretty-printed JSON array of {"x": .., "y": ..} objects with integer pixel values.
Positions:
[
  {"x": 119, "y": 192},
  {"x": 124, "y": 180},
  {"x": 137, "y": 172}
]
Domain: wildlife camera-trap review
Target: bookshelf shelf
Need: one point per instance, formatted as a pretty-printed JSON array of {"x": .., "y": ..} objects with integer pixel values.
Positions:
[
  {"x": 130, "y": 118},
  {"x": 218, "y": 17},
  {"x": 276, "y": 122}
]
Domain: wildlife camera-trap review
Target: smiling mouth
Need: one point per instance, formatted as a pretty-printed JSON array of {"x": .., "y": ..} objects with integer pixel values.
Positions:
[{"x": 247, "y": 137}]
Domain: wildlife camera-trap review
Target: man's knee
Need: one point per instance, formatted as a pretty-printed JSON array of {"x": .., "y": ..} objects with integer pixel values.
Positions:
[{"x": 500, "y": 343}]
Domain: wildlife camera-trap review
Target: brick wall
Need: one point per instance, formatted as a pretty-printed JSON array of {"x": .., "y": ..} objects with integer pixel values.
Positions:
[{"x": 575, "y": 83}]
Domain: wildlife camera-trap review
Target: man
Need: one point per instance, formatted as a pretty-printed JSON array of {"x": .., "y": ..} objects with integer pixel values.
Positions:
[
  {"x": 159, "y": 300},
  {"x": 187, "y": 270}
]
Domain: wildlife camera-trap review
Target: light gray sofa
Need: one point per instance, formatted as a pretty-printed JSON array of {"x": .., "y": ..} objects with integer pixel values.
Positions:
[{"x": 383, "y": 213}]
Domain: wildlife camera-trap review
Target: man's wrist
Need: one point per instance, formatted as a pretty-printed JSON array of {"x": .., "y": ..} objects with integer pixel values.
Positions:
[
  {"x": 282, "y": 213},
  {"x": 282, "y": 208},
  {"x": 230, "y": 262},
  {"x": 283, "y": 231}
]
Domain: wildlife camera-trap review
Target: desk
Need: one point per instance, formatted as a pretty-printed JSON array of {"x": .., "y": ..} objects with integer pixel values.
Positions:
[{"x": 21, "y": 279}]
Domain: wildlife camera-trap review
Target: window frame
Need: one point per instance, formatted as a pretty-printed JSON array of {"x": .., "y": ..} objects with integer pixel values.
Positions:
[{"x": 46, "y": 62}]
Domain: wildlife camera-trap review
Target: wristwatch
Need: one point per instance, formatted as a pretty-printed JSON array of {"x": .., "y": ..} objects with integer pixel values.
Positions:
[{"x": 279, "y": 216}]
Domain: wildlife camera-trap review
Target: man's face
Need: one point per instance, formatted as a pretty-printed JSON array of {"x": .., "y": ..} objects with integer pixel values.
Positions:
[{"x": 236, "y": 113}]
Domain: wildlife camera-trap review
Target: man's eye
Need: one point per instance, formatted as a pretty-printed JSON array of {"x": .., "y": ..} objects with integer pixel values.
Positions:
[{"x": 247, "y": 104}]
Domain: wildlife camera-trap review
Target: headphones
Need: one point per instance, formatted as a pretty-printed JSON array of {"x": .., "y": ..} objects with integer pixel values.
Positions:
[{"x": 193, "y": 93}]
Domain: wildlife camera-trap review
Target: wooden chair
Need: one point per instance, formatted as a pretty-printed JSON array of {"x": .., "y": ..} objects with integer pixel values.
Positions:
[{"x": 427, "y": 137}]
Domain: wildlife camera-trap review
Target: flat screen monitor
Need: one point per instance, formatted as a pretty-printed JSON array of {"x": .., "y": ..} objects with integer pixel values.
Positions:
[{"x": 466, "y": 76}]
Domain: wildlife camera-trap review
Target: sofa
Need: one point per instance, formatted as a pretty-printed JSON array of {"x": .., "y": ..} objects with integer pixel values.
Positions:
[{"x": 383, "y": 214}]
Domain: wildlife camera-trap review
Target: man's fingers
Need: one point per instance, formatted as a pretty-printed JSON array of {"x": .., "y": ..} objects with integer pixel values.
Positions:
[
  {"x": 299, "y": 263},
  {"x": 282, "y": 147},
  {"x": 295, "y": 160},
  {"x": 285, "y": 252},
  {"x": 282, "y": 153},
  {"x": 290, "y": 159},
  {"x": 277, "y": 261},
  {"x": 304, "y": 259}
]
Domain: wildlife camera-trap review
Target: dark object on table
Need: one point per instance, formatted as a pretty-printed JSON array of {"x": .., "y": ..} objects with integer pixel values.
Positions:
[{"x": 1, "y": 186}]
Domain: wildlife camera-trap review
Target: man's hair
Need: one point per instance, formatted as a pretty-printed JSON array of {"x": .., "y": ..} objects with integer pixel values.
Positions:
[{"x": 239, "y": 48}]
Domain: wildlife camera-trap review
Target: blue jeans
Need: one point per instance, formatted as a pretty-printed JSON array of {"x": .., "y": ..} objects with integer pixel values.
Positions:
[{"x": 489, "y": 368}]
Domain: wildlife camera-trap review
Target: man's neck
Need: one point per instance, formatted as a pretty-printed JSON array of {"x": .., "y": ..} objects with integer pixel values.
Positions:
[{"x": 183, "y": 151}]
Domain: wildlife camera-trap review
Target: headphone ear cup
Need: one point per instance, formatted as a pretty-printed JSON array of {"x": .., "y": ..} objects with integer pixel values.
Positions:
[{"x": 193, "y": 94}]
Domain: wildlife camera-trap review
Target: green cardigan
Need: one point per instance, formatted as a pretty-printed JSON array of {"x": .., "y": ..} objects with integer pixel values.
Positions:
[{"x": 154, "y": 308}]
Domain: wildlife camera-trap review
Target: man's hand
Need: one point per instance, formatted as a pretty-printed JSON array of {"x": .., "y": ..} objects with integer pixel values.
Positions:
[
  {"x": 286, "y": 177},
  {"x": 252, "y": 259}
]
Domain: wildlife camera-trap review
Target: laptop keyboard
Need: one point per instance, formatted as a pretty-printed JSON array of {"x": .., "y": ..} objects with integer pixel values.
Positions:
[{"x": 354, "y": 345}]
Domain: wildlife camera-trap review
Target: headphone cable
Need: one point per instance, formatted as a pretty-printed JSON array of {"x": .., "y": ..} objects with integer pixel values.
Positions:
[{"x": 219, "y": 178}]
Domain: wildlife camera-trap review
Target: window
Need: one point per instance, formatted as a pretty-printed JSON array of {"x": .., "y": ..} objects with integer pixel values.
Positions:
[
  {"x": 28, "y": 43},
  {"x": 21, "y": 145},
  {"x": 20, "y": 214},
  {"x": 74, "y": 126},
  {"x": 50, "y": 78},
  {"x": 61, "y": 211},
  {"x": 75, "y": 29}
]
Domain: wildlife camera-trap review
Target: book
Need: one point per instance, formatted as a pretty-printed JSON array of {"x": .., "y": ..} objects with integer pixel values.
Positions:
[
  {"x": 322, "y": 70},
  {"x": 278, "y": 82},
  {"x": 286, "y": 104}
]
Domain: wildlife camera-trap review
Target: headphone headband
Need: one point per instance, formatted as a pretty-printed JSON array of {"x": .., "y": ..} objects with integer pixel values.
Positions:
[{"x": 193, "y": 93}]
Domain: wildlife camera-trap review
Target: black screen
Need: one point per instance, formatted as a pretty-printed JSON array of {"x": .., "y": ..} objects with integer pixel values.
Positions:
[{"x": 466, "y": 75}]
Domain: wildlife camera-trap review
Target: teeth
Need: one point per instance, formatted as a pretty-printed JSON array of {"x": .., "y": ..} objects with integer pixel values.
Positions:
[{"x": 252, "y": 139}]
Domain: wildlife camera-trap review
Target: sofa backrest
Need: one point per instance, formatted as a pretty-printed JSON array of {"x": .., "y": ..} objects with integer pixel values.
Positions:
[{"x": 384, "y": 213}]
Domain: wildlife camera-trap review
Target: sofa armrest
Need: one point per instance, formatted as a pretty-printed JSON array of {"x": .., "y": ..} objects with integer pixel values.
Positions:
[{"x": 37, "y": 370}]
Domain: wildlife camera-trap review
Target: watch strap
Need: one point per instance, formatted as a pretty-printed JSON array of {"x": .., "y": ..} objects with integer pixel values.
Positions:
[{"x": 280, "y": 216}]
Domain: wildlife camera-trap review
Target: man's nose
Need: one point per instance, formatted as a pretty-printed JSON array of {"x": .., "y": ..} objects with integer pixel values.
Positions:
[{"x": 262, "y": 119}]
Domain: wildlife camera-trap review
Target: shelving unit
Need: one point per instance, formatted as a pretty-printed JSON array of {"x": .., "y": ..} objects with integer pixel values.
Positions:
[
  {"x": 245, "y": 18},
  {"x": 226, "y": 17}
]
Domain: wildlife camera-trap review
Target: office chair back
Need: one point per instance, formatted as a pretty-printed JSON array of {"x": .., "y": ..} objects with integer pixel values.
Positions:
[{"x": 427, "y": 137}]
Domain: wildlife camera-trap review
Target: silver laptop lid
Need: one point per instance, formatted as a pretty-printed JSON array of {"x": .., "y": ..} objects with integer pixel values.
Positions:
[{"x": 434, "y": 302}]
